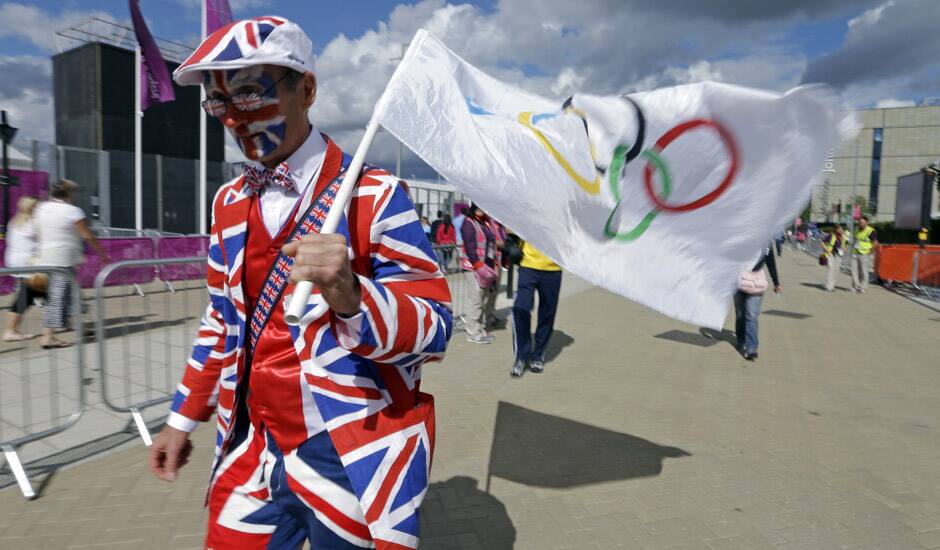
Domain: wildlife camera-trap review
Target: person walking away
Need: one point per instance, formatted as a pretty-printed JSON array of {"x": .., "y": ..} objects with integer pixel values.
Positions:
[
  {"x": 480, "y": 273},
  {"x": 434, "y": 225},
  {"x": 833, "y": 250},
  {"x": 446, "y": 239},
  {"x": 304, "y": 410},
  {"x": 865, "y": 244},
  {"x": 747, "y": 301},
  {"x": 489, "y": 308},
  {"x": 537, "y": 273},
  {"x": 458, "y": 223},
  {"x": 61, "y": 228},
  {"x": 21, "y": 252},
  {"x": 779, "y": 242}
]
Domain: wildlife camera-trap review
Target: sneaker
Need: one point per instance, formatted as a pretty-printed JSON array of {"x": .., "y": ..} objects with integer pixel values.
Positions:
[
  {"x": 750, "y": 357},
  {"x": 482, "y": 339},
  {"x": 517, "y": 368},
  {"x": 537, "y": 366}
]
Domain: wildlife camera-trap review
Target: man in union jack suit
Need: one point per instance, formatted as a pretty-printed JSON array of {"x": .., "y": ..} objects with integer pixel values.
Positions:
[{"x": 323, "y": 434}]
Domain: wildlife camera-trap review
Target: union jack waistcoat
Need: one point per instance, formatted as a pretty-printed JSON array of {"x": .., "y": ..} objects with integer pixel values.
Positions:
[{"x": 363, "y": 373}]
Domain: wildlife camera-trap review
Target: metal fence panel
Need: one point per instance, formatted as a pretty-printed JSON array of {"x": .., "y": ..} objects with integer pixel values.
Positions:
[
  {"x": 41, "y": 391},
  {"x": 926, "y": 273},
  {"x": 144, "y": 340}
]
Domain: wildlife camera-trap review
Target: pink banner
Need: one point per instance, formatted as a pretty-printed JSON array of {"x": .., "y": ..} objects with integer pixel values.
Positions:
[
  {"x": 140, "y": 248},
  {"x": 182, "y": 247}
]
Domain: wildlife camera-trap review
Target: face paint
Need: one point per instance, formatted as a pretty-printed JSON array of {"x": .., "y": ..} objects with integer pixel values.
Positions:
[{"x": 257, "y": 133}]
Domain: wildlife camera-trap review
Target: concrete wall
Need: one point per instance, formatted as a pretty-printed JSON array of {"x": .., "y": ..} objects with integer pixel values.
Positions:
[{"x": 910, "y": 141}]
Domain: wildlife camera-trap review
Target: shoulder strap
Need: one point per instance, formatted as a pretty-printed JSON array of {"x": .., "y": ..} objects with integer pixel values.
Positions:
[{"x": 279, "y": 272}]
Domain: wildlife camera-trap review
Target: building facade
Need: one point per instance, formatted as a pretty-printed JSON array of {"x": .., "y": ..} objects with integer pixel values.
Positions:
[
  {"x": 891, "y": 143},
  {"x": 94, "y": 129}
]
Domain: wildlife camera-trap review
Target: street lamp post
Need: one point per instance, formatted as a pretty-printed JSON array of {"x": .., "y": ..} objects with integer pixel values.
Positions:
[{"x": 7, "y": 133}]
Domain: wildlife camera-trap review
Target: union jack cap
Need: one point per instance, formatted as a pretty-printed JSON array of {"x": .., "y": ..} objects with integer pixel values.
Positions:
[{"x": 268, "y": 40}]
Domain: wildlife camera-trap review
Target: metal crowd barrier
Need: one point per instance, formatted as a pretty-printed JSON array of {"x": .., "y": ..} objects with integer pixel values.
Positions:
[
  {"x": 46, "y": 386},
  {"x": 925, "y": 275},
  {"x": 448, "y": 257},
  {"x": 158, "y": 348}
]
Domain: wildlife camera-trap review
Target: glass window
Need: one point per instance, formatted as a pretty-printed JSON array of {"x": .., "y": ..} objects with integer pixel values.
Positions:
[{"x": 878, "y": 134}]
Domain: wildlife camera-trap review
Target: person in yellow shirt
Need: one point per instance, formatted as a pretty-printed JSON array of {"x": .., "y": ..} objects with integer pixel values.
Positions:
[
  {"x": 537, "y": 273},
  {"x": 864, "y": 249}
]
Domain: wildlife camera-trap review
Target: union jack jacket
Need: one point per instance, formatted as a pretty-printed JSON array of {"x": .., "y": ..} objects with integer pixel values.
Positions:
[{"x": 364, "y": 373}]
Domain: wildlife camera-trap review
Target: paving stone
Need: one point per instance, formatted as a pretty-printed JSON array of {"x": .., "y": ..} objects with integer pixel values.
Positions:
[{"x": 627, "y": 440}]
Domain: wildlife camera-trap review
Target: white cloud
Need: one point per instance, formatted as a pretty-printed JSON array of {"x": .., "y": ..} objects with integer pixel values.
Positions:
[
  {"x": 594, "y": 47},
  {"x": 870, "y": 17},
  {"x": 26, "y": 95},
  {"x": 891, "y": 103},
  {"x": 39, "y": 27}
]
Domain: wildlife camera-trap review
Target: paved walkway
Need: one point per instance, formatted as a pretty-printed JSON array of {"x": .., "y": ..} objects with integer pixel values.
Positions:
[{"x": 642, "y": 433}]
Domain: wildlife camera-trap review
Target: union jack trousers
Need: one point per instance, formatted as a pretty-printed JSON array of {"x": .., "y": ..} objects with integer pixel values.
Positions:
[{"x": 362, "y": 375}]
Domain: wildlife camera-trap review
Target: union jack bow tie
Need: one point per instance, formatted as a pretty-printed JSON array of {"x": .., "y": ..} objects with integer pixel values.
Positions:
[{"x": 259, "y": 177}]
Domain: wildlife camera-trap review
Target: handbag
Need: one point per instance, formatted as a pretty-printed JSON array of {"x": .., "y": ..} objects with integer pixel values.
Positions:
[
  {"x": 37, "y": 281},
  {"x": 823, "y": 259},
  {"x": 753, "y": 282}
]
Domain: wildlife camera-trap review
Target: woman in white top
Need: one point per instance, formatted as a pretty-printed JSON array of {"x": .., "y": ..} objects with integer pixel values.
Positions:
[
  {"x": 61, "y": 228},
  {"x": 20, "y": 252}
]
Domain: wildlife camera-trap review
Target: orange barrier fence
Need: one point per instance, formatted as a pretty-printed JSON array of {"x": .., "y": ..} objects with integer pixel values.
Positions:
[{"x": 895, "y": 262}]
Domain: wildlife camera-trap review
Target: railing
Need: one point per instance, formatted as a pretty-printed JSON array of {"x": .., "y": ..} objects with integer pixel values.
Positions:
[
  {"x": 20, "y": 390},
  {"x": 162, "y": 350}
]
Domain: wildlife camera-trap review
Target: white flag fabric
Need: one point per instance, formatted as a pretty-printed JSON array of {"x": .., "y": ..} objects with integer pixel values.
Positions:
[{"x": 664, "y": 197}]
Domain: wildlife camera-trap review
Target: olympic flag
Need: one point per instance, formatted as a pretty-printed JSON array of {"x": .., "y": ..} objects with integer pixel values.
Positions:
[
  {"x": 155, "y": 83},
  {"x": 664, "y": 197}
]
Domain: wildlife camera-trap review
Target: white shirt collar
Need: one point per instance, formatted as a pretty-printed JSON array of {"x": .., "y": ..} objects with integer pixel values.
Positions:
[{"x": 306, "y": 161}]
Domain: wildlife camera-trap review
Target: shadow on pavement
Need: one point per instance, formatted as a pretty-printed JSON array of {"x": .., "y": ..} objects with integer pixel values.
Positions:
[
  {"x": 823, "y": 287},
  {"x": 41, "y": 471},
  {"x": 456, "y": 514},
  {"x": 125, "y": 330},
  {"x": 787, "y": 314},
  {"x": 543, "y": 450},
  {"x": 559, "y": 341},
  {"x": 692, "y": 338},
  {"x": 724, "y": 335}
]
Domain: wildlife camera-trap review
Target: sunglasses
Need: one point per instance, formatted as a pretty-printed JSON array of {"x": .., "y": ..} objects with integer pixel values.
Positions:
[{"x": 245, "y": 102}]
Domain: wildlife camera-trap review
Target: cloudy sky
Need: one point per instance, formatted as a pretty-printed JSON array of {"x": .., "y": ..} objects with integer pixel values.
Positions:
[{"x": 877, "y": 53}]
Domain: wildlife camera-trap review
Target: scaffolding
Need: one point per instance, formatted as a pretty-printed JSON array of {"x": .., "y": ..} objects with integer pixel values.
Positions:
[{"x": 97, "y": 30}]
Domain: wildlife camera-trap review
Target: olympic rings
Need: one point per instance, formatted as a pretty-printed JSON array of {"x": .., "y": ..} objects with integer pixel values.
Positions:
[
  {"x": 615, "y": 166},
  {"x": 592, "y": 187},
  {"x": 671, "y": 136}
]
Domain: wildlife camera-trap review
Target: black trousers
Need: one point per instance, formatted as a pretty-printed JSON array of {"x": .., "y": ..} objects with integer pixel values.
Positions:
[
  {"x": 548, "y": 286},
  {"x": 24, "y": 297}
]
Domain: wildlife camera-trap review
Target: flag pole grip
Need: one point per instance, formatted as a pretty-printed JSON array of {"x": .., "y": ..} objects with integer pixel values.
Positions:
[{"x": 303, "y": 289}]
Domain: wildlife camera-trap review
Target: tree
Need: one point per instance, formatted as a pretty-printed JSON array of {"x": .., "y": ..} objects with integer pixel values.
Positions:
[
  {"x": 862, "y": 203},
  {"x": 807, "y": 212}
]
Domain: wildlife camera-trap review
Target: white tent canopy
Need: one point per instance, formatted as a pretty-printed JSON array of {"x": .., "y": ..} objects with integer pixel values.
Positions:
[{"x": 19, "y": 160}]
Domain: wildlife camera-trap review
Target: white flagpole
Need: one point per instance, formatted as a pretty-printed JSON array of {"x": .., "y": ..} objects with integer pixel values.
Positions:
[
  {"x": 138, "y": 168},
  {"x": 303, "y": 289},
  {"x": 202, "y": 142}
]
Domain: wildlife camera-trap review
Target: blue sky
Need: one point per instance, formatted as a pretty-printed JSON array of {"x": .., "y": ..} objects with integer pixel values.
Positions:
[{"x": 875, "y": 52}]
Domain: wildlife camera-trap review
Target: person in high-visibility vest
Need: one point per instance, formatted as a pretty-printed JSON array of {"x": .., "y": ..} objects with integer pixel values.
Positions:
[
  {"x": 865, "y": 243},
  {"x": 922, "y": 237},
  {"x": 834, "y": 247}
]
